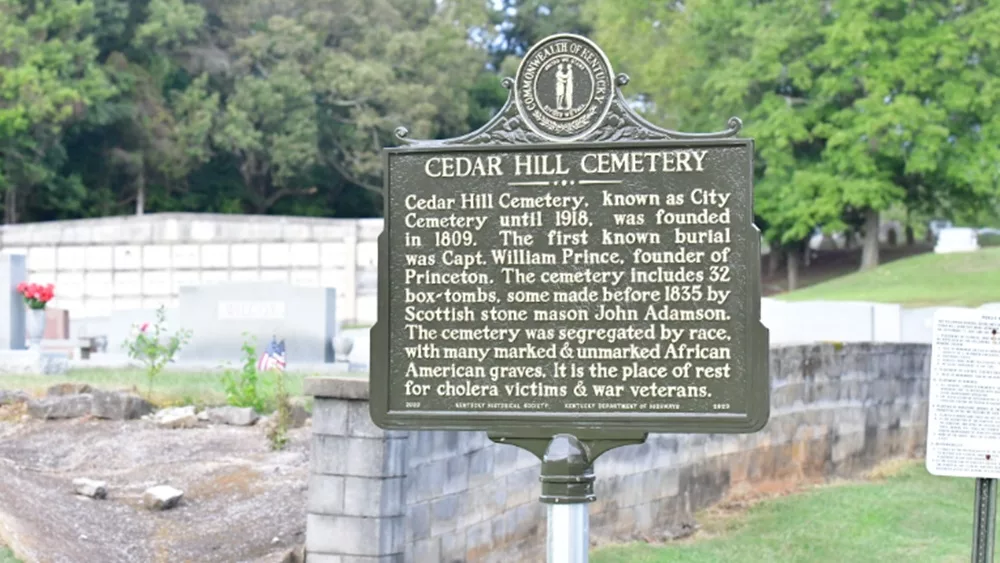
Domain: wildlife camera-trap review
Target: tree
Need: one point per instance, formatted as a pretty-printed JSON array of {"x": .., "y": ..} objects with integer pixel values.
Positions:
[
  {"x": 151, "y": 139},
  {"x": 519, "y": 24},
  {"x": 730, "y": 58},
  {"x": 266, "y": 106},
  {"x": 136, "y": 148},
  {"x": 48, "y": 80},
  {"x": 319, "y": 86},
  {"x": 856, "y": 105},
  {"x": 904, "y": 127}
]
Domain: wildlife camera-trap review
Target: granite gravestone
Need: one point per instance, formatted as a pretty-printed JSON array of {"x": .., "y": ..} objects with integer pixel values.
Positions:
[
  {"x": 56, "y": 324},
  {"x": 219, "y": 314},
  {"x": 570, "y": 268},
  {"x": 12, "y": 327},
  {"x": 957, "y": 239},
  {"x": 14, "y": 355},
  {"x": 121, "y": 325}
]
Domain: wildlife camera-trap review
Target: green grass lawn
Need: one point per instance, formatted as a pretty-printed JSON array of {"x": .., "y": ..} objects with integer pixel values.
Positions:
[
  {"x": 6, "y": 556},
  {"x": 909, "y": 517},
  {"x": 962, "y": 279}
]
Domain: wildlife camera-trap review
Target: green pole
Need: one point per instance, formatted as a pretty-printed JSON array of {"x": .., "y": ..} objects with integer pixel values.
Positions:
[{"x": 983, "y": 532}]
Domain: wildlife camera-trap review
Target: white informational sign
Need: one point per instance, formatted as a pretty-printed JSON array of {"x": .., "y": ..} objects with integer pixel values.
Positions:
[{"x": 963, "y": 433}]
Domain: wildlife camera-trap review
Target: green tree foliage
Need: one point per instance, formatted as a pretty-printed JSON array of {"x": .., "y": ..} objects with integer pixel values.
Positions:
[
  {"x": 48, "y": 80},
  {"x": 317, "y": 88},
  {"x": 283, "y": 106},
  {"x": 262, "y": 106},
  {"x": 856, "y": 105},
  {"x": 519, "y": 24}
]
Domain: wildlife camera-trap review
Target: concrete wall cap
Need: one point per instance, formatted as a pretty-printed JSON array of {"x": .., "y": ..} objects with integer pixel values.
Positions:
[{"x": 355, "y": 388}]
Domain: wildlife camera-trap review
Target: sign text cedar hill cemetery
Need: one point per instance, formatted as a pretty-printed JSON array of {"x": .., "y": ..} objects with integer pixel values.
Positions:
[{"x": 570, "y": 266}]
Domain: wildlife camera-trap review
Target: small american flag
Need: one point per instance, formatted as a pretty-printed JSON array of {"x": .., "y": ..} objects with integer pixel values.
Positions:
[{"x": 273, "y": 358}]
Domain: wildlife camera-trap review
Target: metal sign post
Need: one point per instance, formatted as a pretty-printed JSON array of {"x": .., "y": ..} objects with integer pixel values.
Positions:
[
  {"x": 567, "y": 490},
  {"x": 984, "y": 523},
  {"x": 568, "y": 478}
]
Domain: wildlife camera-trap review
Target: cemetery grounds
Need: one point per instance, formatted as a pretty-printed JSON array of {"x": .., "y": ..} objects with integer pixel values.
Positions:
[
  {"x": 231, "y": 476},
  {"x": 897, "y": 513}
]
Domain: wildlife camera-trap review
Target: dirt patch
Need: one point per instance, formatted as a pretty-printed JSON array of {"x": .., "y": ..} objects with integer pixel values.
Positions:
[
  {"x": 242, "y": 501},
  {"x": 14, "y": 412},
  {"x": 889, "y": 468}
]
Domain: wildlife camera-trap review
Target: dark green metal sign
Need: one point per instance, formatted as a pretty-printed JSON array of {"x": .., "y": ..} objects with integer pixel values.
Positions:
[{"x": 570, "y": 268}]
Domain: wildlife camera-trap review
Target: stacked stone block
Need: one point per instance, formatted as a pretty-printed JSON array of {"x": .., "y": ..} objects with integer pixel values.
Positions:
[
  {"x": 356, "y": 507},
  {"x": 836, "y": 410}
]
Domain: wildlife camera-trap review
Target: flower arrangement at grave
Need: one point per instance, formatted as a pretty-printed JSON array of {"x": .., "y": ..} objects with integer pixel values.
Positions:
[{"x": 36, "y": 296}]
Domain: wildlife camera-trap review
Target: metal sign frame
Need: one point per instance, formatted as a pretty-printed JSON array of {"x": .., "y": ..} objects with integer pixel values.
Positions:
[{"x": 616, "y": 126}]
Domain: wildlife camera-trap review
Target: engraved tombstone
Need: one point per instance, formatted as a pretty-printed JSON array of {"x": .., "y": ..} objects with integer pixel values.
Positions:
[
  {"x": 570, "y": 268},
  {"x": 219, "y": 314},
  {"x": 12, "y": 327}
]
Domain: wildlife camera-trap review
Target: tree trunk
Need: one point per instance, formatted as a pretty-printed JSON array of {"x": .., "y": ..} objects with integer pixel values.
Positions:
[
  {"x": 908, "y": 230},
  {"x": 140, "y": 194},
  {"x": 869, "y": 250},
  {"x": 10, "y": 206},
  {"x": 774, "y": 259},
  {"x": 792, "y": 262}
]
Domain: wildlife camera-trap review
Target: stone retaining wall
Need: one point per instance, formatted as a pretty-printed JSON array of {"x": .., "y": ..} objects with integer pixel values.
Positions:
[{"x": 457, "y": 497}]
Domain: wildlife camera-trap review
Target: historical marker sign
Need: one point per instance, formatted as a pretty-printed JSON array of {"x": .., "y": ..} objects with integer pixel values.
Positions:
[
  {"x": 963, "y": 434},
  {"x": 570, "y": 267}
]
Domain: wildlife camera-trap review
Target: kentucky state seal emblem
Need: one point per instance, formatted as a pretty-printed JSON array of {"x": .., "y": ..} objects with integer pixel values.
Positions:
[{"x": 564, "y": 87}]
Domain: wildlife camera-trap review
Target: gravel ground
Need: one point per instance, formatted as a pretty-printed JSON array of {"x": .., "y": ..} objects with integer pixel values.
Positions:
[{"x": 242, "y": 501}]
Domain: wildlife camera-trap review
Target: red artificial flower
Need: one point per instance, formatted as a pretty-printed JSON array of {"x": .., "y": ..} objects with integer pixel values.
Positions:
[
  {"x": 143, "y": 327},
  {"x": 36, "y": 293}
]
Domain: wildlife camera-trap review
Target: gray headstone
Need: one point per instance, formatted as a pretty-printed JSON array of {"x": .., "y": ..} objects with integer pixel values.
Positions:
[
  {"x": 118, "y": 327},
  {"x": 12, "y": 272},
  {"x": 219, "y": 314}
]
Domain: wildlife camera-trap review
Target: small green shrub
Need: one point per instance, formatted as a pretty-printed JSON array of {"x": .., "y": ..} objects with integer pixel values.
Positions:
[
  {"x": 250, "y": 388},
  {"x": 243, "y": 388},
  {"x": 147, "y": 345},
  {"x": 989, "y": 240}
]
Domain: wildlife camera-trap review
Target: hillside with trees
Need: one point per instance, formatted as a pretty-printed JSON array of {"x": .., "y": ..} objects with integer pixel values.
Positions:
[{"x": 858, "y": 107}]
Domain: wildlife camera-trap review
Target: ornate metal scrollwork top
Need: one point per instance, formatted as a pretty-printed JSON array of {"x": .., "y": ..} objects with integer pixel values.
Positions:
[{"x": 564, "y": 92}]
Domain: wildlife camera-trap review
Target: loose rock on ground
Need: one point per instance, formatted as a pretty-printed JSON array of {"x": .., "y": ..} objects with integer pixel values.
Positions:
[
  {"x": 68, "y": 406},
  {"x": 12, "y": 397},
  {"x": 64, "y": 389},
  {"x": 234, "y": 416},
  {"x": 176, "y": 417},
  {"x": 114, "y": 405},
  {"x": 161, "y": 497},
  {"x": 238, "y": 493},
  {"x": 91, "y": 488},
  {"x": 77, "y": 400}
]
